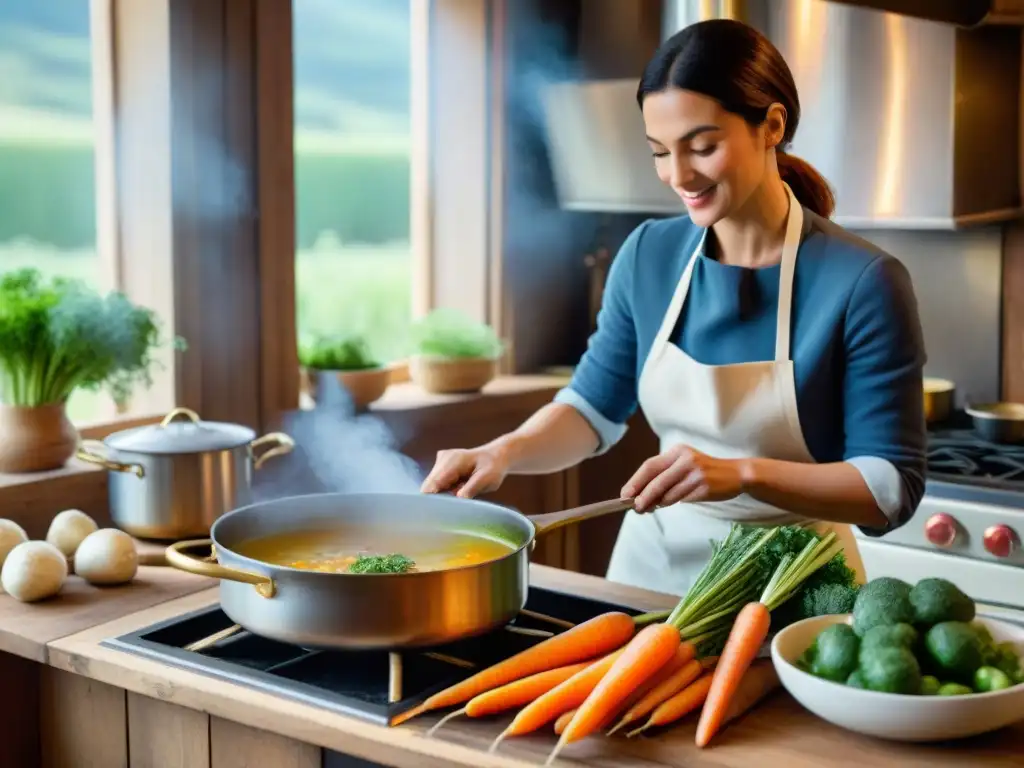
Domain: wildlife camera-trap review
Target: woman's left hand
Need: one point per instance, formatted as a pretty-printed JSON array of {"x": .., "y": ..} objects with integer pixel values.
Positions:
[{"x": 683, "y": 474}]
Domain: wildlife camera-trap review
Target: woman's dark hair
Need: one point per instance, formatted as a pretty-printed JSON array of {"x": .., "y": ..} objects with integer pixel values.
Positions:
[{"x": 738, "y": 67}]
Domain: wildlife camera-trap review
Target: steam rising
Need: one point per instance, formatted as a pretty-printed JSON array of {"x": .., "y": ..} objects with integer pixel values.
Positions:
[{"x": 337, "y": 450}]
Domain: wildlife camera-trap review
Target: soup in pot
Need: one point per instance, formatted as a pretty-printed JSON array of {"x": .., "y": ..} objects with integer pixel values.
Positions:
[{"x": 373, "y": 550}]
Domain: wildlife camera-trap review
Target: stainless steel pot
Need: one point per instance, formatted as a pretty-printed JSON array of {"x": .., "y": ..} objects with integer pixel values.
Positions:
[
  {"x": 998, "y": 422},
  {"x": 172, "y": 480},
  {"x": 317, "y": 609}
]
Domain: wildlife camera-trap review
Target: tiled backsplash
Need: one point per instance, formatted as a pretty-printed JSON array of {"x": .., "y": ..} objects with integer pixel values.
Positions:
[{"x": 957, "y": 279}]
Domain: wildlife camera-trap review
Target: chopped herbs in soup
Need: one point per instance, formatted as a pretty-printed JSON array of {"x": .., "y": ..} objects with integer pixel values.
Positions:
[{"x": 372, "y": 550}]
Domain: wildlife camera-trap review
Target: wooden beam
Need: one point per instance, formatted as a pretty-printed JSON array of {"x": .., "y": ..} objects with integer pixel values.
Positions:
[
  {"x": 275, "y": 161},
  {"x": 206, "y": 196}
]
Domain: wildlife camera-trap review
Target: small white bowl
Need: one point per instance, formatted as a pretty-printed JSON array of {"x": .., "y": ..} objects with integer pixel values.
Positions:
[{"x": 892, "y": 715}]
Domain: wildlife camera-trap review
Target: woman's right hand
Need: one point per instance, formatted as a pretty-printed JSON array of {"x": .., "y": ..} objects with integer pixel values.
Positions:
[{"x": 468, "y": 472}]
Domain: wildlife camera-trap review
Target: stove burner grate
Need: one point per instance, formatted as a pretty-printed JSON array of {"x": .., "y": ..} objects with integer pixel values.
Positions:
[
  {"x": 375, "y": 685},
  {"x": 962, "y": 456}
]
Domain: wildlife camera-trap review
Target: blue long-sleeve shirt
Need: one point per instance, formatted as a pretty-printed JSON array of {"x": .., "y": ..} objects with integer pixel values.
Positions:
[{"x": 857, "y": 345}]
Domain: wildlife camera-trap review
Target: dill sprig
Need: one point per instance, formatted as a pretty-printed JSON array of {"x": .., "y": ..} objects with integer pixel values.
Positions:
[
  {"x": 392, "y": 563},
  {"x": 57, "y": 336}
]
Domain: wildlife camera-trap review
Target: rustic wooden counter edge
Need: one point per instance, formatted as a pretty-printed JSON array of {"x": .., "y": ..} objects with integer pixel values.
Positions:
[
  {"x": 405, "y": 747},
  {"x": 778, "y": 733}
]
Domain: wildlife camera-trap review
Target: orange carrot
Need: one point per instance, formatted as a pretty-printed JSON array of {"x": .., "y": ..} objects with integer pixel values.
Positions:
[
  {"x": 588, "y": 640},
  {"x": 513, "y": 694},
  {"x": 563, "y": 720},
  {"x": 746, "y": 637},
  {"x": 760, "y": 680},
  {"x": 667, "y": 688},
  {"x": 680, "y": 705},
  {"x": 645, "y": 654},
  {"x": 558, "y": 700}
]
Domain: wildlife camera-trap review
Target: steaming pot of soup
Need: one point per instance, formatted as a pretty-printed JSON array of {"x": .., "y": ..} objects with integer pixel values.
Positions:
[{"x": 373, "y": 571}]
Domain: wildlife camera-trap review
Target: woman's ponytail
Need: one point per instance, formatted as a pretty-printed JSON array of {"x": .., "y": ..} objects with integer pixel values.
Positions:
[{"x": 807, "y": 184}]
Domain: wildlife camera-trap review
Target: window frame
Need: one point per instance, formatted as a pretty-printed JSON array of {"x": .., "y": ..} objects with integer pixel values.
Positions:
[{"x": 455, "y": 214}]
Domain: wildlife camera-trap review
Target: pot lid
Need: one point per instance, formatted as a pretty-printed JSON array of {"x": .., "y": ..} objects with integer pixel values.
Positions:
[{"x": 181, "y": 431}]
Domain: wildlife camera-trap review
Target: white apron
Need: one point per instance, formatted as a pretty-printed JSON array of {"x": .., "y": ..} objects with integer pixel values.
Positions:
[{"x": 744, "y": 410}]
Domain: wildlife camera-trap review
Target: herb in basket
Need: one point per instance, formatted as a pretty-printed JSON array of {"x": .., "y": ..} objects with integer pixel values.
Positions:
[
  {"x": 58, "y": 335},
  {"x": 350, "y": 353},
  {"x": 446, "y": 333}
]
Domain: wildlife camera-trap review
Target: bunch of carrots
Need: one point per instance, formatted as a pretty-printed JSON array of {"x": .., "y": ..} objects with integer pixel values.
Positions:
[{"x": 619, "y": 673}]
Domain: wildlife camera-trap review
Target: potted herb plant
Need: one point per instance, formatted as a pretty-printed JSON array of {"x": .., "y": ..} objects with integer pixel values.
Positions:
[
  {"x": 350, "y": 361},
  {"x": 453, "y": 353},
  {"x": 57, "y": 336}
]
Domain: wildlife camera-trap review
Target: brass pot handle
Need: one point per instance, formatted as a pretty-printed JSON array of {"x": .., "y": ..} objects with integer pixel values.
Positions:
[
  {"x": 282, "y": 444},
  {"x": 95, "y": 452},
  {"x": 212, "y": 569},
  {"x": 177, "y": 412}
]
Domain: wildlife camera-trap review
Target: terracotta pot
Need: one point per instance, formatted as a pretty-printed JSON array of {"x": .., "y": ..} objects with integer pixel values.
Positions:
[
  {"x": 364, "y": 387},
  {"x": 451, "y": 375},
  {"x": 35, "y": 439}
]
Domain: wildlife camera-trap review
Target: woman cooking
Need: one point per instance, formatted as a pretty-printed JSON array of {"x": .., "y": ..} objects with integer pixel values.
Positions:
[{"x": 777, "y": 357}]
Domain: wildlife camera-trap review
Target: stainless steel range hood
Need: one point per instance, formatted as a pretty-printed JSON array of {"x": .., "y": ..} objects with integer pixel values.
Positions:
[
  {"x": 965, "y": 13},
  {"x": 915, "y": 123}
]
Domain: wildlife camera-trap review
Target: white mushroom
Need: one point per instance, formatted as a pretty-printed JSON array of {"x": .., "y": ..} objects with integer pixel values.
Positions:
[
  {"x": 68, "y": 529},
  {"x": 11, "y": 535},
  {"x": 107, "y": 556},
  {"x": 34, "y": 570}
]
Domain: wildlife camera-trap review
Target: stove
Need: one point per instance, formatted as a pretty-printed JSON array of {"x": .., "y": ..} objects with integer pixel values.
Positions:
[
  {"x": 957, "y": 454},
  {"x": 970, "y": 524},
  {"x": 373, "y": 685}
]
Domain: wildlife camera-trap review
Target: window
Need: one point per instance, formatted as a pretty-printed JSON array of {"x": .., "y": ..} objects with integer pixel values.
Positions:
[
  {"x": 47, "y": 177},
  {"x": 352, "y": 168}
]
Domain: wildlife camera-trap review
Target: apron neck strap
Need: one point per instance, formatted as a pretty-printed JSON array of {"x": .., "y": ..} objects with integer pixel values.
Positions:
[{"x": 794, "y": 228}]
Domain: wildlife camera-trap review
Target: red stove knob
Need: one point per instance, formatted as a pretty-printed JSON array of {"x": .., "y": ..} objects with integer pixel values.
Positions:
[
  {"x": 1001, "y": 540},
  {"x": 941, "y": 530}
]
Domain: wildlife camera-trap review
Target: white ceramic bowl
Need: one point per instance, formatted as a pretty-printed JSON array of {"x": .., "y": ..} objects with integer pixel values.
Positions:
[{"x": 891, "y": 715}]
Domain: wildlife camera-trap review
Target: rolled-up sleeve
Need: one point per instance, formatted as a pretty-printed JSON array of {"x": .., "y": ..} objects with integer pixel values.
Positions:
[
  {"x": 884, "y": 407},
  {"x": 604, "y": 385}
]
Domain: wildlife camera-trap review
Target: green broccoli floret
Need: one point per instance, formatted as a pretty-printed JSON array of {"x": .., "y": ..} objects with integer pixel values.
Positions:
[
  {"x": 826, "y": 600},
  {"x": 954, "y": 689},
  {"x": 991, "y": 679},
  {"x": 836, "y": 656},
  {"x": 930, "y": 685},
  {"x": 955, "y": 649},
  {"x": 890, "y": 635},
  {"x": 882, "y": 601},
  {"x": 939, "y": 600},
  {"x": 1003, "y": 657},
  {"x": 832, "y": 589},
  {"x": 891, "y": 670}
]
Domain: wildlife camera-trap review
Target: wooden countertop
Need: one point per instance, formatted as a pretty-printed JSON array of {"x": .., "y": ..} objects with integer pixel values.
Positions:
[
  {"x": 779, "y": 732},
  {"x": 27, "y": 629}
]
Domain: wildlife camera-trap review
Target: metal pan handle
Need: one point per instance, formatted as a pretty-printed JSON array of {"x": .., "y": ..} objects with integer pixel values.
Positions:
[
  {"x": 212, "y": 569},
  {"x": 277, "y": 444},
  {"x": 95, "y": 452}
]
